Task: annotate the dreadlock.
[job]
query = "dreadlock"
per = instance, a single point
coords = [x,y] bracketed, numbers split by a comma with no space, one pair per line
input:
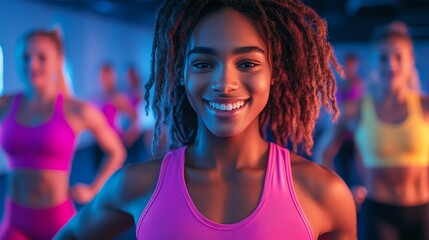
[300,58]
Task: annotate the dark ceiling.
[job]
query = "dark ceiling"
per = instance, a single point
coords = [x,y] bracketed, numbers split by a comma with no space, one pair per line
[349,20]
[354,20]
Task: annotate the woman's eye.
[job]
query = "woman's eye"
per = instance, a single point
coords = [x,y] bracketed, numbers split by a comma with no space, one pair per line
[398,57]
[42,58]
[247,65]
[202,65]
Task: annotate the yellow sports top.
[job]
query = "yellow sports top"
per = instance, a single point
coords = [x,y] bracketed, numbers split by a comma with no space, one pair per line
[393,145]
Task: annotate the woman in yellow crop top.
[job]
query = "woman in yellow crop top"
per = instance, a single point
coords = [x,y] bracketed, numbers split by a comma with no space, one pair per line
[391,130]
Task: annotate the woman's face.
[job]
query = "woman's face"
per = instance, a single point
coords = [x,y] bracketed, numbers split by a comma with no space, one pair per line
[108,78]
[227,73]
[396,63]
[133,78]
[41,63]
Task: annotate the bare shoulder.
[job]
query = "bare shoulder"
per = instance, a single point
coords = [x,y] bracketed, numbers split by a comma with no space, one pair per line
[82,115]
[120,96]
[76,105]
[122,101]
[138,179]
[5,104]
[86,113]
[325,199]
[131,187]
[117,206]
[6,99]
[424,99]
[316,180]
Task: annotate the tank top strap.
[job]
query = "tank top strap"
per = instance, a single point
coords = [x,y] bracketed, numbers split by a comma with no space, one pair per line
[368,110]
[16,101]
[59,105]
[169,175]
[414,106]
[175,160]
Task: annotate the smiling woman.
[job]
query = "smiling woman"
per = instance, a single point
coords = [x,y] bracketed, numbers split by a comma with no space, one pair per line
[220,76]
[227,65]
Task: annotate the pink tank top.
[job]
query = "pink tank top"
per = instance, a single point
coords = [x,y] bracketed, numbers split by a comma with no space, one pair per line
[171,214]
[110,112]
[49,145]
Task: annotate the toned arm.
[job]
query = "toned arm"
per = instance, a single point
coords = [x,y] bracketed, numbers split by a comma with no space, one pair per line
[118,205]
[332,137]
[340,210]
[132,132]
[107,140]
[325,199]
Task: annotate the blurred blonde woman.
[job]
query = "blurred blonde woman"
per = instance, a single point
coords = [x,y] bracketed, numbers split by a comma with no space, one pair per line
[39,127]
[391,131]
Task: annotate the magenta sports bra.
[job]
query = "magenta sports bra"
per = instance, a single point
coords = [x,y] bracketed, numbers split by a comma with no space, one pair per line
[110,112]
[171,214]
[49,145]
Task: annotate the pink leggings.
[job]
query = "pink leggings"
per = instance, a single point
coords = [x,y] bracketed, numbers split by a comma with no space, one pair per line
[23,223]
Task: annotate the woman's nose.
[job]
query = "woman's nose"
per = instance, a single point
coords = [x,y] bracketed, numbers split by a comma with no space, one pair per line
[226,81]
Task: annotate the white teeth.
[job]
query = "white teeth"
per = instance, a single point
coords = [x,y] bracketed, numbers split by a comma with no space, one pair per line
[227,107]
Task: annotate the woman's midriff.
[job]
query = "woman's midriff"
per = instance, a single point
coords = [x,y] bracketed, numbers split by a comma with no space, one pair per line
[405,186]
[38,188]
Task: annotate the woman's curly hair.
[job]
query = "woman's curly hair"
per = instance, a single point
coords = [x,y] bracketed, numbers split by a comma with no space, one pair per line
[300,53]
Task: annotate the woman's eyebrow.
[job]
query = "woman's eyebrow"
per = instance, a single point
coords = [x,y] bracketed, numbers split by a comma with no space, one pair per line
[203,50]
[236,51]
[247,49]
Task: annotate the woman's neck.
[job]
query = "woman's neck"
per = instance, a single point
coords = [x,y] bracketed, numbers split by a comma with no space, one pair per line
[41,97]
[247,149]
[394,96]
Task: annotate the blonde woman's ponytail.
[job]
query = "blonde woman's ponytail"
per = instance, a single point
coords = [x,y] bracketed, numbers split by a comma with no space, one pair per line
[63,81]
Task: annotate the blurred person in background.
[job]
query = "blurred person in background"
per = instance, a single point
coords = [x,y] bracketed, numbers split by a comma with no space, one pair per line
[350,89]
[118,110]
[140,149]
[38,132]
[390,126]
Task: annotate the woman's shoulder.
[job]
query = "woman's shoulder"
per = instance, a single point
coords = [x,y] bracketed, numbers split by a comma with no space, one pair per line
[139,178]
[8,98]
[424,99]
[322,184]
[133,181]
[5,103]
[324,197]
[121,100]
[75,102]
[122,198]
[305,169]
[80,107]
